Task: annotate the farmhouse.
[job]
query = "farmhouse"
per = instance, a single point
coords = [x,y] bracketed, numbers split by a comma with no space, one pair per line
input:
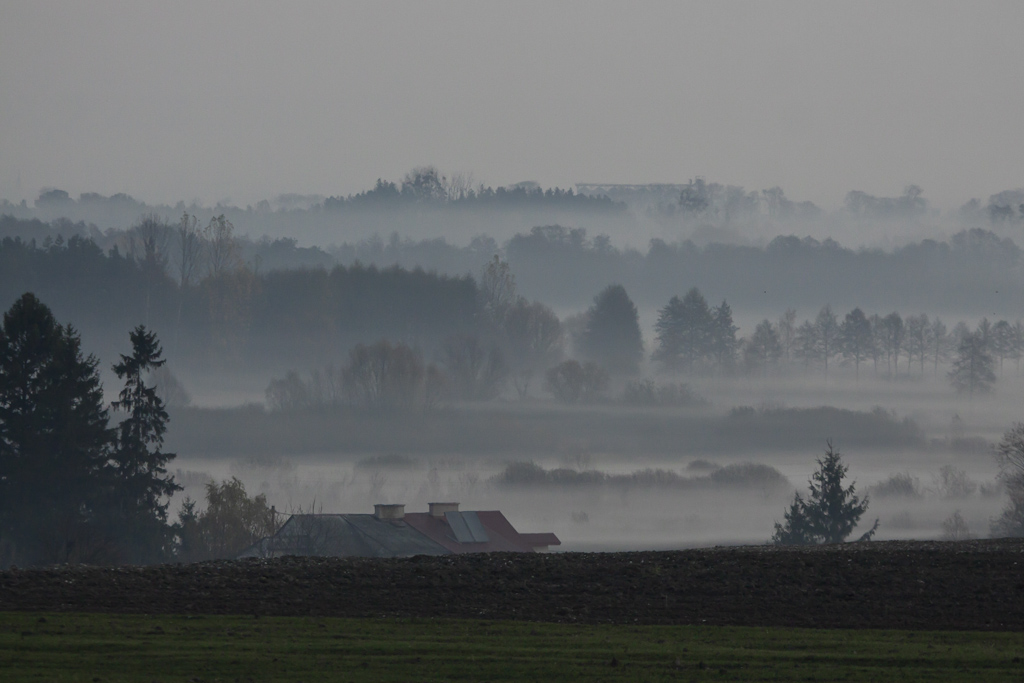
[391,532]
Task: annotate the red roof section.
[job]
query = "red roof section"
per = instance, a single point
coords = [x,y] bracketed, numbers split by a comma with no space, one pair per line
[502,536]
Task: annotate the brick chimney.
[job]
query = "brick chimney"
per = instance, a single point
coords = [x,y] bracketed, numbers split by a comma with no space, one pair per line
[438,509]
[381,511]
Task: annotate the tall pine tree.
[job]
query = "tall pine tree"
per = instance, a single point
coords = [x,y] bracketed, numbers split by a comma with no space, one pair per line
[143,485]
[54,441]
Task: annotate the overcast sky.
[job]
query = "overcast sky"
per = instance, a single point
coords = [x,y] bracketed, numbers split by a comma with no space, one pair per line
[242,100]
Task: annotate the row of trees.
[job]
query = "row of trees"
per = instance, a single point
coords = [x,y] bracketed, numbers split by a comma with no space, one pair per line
[693,337]
[920,341]
[428,185]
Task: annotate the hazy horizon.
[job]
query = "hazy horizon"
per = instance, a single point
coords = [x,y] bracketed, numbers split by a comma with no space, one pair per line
[239,102]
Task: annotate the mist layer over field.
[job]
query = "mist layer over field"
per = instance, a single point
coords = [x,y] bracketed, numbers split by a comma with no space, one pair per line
[605,477]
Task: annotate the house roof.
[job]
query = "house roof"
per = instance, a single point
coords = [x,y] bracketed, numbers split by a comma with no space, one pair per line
[417,533]
[501,536]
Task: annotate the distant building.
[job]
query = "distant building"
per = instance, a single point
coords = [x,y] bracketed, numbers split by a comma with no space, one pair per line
[391,532]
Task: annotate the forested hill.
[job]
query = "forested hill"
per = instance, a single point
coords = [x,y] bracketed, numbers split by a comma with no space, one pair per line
[975,273]
[234,314]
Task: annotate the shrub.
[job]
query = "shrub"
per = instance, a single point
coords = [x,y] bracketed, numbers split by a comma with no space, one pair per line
[954,483]
[570,381]
[954,528]
[742,475]
[231,522]
[648,393]
[750,475]
[899,485]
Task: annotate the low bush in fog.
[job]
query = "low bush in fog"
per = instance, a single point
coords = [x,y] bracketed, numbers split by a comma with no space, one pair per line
[862,428]
[899,485]
[648,393]
[952,482]
[736,476]
[571,381]
[748,475]
[954,528]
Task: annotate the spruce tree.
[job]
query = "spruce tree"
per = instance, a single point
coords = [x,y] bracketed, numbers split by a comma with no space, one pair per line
[686,331]
[612,337]
[830,512]
[54,441]
[139,505]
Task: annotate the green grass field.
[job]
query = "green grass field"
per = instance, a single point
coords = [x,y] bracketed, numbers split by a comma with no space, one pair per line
[99,647]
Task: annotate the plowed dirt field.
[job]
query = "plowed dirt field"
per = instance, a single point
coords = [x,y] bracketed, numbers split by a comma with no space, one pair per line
[972,585]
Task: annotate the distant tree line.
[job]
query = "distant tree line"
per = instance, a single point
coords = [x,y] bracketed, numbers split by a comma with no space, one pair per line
[696,338]
[973,268]
[564,266]
[707,202]
[191,284]
[426,185]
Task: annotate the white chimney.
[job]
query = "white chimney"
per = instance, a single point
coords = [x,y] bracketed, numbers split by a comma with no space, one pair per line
[381,511]
[438,509]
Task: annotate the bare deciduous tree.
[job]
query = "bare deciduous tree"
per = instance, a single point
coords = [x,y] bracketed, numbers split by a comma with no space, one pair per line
[189,250]
[570,381]
[476,371]
[534,337]
[383,376]
[223,247]
[498,290]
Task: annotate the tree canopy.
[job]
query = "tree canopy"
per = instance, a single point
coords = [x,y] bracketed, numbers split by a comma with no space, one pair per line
[612,335]
[54,438]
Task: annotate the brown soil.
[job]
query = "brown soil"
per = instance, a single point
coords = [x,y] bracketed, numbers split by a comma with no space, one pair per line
[977,585]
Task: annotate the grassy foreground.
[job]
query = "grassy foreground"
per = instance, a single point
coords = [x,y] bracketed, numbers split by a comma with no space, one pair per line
[101,647]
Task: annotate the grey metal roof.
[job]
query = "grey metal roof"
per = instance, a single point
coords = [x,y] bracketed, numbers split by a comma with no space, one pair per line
[394,538]
[347,536]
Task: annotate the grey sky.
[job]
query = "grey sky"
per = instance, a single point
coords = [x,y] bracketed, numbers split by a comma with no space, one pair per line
[243,100]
